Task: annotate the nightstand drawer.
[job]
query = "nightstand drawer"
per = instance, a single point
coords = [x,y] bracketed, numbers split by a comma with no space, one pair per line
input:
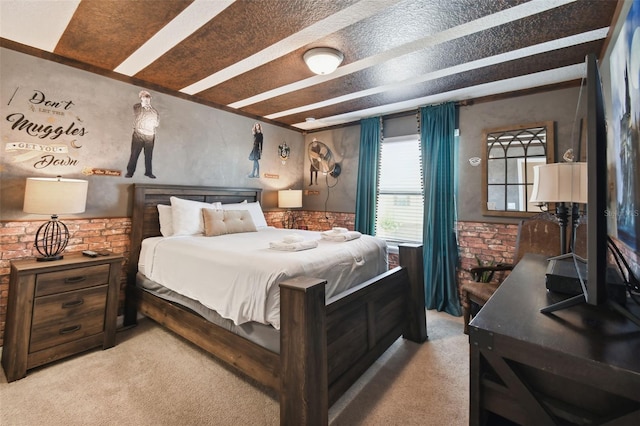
[61,318]
[71,279]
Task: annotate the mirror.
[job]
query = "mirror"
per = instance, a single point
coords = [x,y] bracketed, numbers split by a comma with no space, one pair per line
[509,155]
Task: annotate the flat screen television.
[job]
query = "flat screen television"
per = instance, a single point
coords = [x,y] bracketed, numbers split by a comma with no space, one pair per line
[594,285]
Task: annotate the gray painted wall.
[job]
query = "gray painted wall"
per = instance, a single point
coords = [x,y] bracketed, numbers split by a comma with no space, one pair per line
[199,145]
[195,144]
[558,106]
[334,194]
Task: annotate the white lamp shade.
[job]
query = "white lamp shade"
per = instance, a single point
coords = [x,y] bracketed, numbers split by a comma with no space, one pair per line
[53,196]
[560,182]
[290,199]
[323,60]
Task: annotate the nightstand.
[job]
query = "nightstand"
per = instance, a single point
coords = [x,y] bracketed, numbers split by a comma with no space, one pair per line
[59,308]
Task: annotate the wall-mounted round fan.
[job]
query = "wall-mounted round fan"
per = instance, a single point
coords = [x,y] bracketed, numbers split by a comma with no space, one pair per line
[322,160]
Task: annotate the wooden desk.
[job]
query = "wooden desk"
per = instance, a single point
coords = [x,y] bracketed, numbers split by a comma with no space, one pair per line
[574,366]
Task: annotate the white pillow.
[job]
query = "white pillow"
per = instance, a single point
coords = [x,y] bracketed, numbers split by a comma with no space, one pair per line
[254,209]
[166,220]
[187,215]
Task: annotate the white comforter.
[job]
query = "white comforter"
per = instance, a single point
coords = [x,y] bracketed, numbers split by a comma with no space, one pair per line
[237,275]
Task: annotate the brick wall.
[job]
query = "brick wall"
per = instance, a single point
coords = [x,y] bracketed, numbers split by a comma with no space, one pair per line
[495,242]
[313,220]
[488,241]
[16,242]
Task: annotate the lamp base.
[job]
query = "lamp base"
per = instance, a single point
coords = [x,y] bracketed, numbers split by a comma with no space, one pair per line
[51,239]
[49,258]
[289,220]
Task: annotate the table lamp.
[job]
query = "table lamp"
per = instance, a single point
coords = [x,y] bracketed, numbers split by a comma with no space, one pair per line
[53,196]
[289,199]
[561,183]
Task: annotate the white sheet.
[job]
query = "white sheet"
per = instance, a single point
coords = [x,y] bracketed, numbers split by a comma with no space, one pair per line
[238,274]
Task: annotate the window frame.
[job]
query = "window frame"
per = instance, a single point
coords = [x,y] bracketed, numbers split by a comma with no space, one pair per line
[393,241]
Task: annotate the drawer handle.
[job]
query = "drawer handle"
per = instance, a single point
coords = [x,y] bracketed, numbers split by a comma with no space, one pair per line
[72,329]
[71,304]
[73,280]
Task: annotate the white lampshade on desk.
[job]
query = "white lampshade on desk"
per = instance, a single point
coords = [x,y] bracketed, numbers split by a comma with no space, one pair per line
[54,196]
[560,183]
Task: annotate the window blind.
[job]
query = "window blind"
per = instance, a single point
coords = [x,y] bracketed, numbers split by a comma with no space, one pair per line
[399,211]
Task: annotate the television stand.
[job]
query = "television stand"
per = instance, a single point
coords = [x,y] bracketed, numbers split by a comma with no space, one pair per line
[579,366]
[623,311]
[580,299]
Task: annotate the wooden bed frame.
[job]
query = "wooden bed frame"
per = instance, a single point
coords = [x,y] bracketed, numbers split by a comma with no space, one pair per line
[324,347]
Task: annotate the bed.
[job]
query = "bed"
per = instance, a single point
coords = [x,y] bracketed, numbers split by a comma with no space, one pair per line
[325,343]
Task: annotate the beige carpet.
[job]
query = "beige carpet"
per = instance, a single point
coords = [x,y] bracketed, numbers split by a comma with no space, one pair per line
[153,377]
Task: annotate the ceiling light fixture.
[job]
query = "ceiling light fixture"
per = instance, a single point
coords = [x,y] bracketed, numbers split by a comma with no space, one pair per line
[323,60]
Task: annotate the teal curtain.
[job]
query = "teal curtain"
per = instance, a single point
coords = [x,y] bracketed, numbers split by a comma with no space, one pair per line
[370,136]
[439,153]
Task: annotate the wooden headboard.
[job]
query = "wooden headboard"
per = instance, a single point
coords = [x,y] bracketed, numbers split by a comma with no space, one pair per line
[145,223]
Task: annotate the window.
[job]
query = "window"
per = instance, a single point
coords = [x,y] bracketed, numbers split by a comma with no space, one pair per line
[400,204]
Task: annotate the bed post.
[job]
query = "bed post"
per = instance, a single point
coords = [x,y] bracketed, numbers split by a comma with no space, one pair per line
[304,392]
[137,235]
[411,259]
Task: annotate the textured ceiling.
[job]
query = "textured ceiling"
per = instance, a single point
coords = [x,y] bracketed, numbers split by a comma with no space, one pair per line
[246,55]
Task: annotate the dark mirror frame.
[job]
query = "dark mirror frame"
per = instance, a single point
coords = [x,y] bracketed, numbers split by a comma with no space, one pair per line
[486,163]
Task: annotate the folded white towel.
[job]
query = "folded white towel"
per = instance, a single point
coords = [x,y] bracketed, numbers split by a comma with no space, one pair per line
[342,236]
[302,245]
[293,238]
[335,231]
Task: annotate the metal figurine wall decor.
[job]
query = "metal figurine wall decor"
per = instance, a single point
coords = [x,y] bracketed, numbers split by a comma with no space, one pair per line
[256,150]
[146,120]
[283,152]
[321,160]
